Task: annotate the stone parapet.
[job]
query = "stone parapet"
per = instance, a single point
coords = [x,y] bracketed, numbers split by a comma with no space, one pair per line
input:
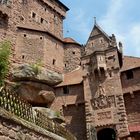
[15,128]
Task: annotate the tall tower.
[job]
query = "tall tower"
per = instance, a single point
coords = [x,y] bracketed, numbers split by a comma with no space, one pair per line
[105,110]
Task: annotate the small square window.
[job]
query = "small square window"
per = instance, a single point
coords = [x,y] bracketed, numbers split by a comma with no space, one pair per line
[33,15]
[129,74]
[65,90]
[54,61]
[73,52]
[23,56]
[41,20]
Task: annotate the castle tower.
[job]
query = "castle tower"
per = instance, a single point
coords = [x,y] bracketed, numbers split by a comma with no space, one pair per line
[105,109]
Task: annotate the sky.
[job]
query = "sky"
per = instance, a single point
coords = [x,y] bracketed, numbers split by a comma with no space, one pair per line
[119,17]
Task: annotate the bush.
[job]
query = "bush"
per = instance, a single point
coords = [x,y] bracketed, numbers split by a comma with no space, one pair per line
[36,67]
[4,60]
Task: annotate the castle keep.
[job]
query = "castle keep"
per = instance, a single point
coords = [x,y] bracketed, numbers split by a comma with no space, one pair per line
[95,87]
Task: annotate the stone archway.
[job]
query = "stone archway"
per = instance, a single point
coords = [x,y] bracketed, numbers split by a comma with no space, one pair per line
[106,134]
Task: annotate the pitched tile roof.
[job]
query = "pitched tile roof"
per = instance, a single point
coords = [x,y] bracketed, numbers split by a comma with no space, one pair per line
[70,40]
[130,62]
[72,78]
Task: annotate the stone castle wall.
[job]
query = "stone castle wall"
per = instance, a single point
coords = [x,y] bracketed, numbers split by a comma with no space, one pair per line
[72,57]
[130,85]
[14,128]
[74,96]
[132,107]
[35,30]
[72,106]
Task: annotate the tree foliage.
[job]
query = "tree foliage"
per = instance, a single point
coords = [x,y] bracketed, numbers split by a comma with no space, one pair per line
[4,60]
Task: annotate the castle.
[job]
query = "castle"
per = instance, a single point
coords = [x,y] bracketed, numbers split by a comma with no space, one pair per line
[96,88]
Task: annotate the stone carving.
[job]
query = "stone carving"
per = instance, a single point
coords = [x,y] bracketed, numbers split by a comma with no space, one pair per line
[104,115]
[100,91]
[103,102]
[92,132]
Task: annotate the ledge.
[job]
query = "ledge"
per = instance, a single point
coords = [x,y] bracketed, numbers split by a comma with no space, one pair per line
[16,120]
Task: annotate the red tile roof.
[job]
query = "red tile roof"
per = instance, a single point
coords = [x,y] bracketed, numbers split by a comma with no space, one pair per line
[70,40]
[130,62]
[72,78]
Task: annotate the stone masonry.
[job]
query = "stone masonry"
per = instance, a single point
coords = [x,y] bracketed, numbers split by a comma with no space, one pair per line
[100,88]
[14,128]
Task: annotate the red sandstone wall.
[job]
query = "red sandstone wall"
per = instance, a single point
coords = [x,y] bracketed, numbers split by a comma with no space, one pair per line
[39,47]
[130,85]
[75,119]
[73,108]
[75,96]
[132,104]
[36,45]
[72,57]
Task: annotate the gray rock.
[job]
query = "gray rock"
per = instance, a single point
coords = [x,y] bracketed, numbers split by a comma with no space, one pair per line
[27,72]
[22,71]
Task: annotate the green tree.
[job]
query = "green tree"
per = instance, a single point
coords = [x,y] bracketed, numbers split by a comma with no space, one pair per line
[4,60]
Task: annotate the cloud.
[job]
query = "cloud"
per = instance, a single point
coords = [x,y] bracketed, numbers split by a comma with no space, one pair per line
[115,21]
[120,17]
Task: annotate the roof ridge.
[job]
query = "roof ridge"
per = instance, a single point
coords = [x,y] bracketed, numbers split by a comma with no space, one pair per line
[132,56]
[96,25]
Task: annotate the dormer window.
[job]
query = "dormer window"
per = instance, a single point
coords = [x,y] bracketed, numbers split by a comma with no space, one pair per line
[101,40]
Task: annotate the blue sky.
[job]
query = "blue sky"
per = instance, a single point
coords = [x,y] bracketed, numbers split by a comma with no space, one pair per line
[119,17]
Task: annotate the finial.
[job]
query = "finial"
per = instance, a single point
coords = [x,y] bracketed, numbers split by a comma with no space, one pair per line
[94,20]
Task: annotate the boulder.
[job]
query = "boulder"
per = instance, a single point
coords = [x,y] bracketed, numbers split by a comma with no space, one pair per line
[48,96]
[35,93]
[24,72]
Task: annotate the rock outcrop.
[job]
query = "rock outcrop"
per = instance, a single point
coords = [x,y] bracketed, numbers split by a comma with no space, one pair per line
[35,93]
[39,74]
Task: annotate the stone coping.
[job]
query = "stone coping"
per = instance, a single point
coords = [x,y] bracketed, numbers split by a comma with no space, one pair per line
[14,119]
